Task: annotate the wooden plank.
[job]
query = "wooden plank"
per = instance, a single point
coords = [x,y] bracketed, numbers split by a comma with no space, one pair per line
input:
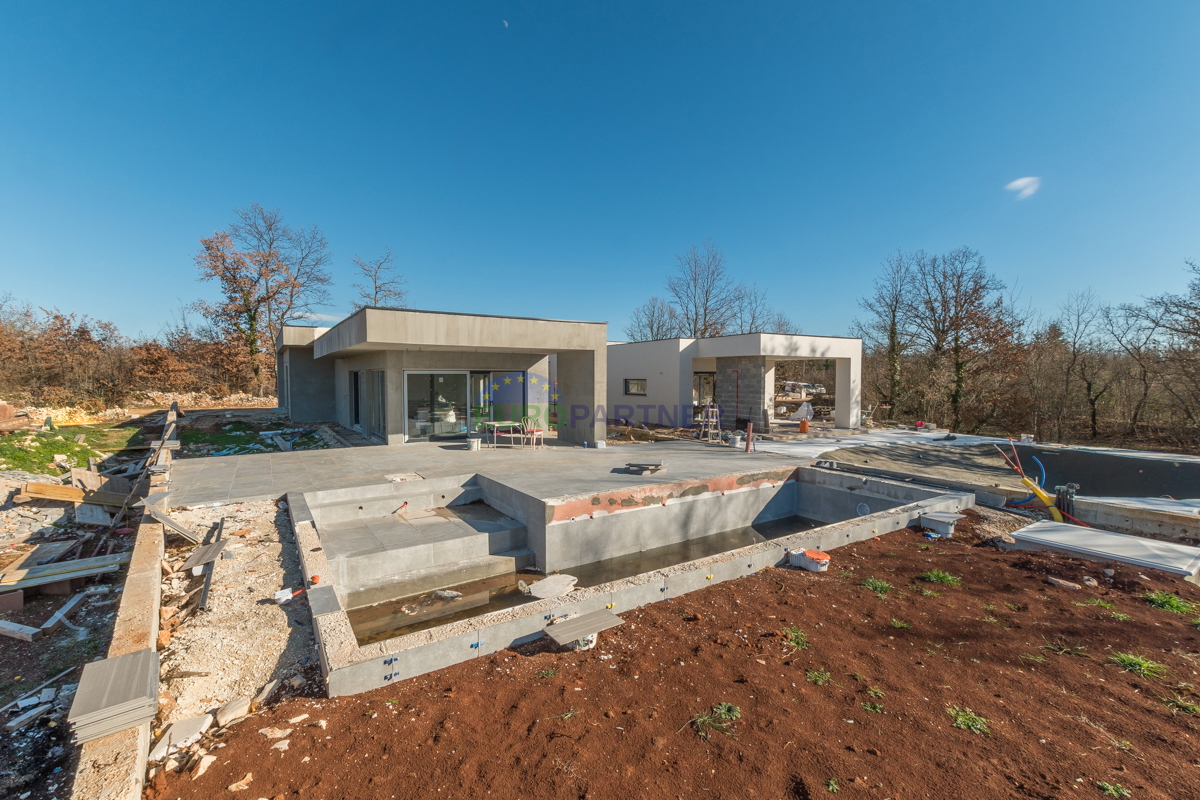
[94,482]
[281,444]
[23,632]
[584,625]
[62,571]
[89,514]
[71,494]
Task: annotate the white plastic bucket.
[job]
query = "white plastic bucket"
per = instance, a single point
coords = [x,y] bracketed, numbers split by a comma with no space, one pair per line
[473,443]
[736,441]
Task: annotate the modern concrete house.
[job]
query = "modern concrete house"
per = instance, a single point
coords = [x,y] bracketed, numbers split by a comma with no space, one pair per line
[402,376]
[663,382]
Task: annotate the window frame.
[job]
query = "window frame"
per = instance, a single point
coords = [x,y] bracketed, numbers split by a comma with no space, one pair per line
[645,387]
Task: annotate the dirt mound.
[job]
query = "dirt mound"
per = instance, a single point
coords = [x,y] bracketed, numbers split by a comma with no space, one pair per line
[872,691]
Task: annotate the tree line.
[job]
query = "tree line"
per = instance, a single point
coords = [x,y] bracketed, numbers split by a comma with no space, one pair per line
[269,274]
[946,341]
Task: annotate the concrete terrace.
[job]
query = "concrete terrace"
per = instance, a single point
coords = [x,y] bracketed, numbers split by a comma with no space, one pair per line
[561,471]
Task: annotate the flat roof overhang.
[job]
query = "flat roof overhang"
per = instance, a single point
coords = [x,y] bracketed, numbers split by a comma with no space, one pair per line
[394,329]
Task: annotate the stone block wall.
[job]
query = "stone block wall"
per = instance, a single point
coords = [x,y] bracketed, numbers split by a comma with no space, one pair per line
[744,395]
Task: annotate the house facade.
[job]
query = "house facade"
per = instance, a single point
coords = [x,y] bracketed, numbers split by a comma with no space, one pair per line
[401,376]
[665,382]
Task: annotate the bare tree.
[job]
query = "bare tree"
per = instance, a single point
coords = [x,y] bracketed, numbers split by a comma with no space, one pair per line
[1081,320]
[1138,339]
[756,315]
[292,261]
[384,287]
[888,330]
[703,293]
[959,315]
[656,319]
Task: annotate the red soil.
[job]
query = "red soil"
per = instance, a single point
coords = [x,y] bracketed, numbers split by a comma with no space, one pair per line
[614,722]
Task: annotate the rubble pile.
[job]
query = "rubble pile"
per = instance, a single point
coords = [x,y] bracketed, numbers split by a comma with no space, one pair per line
[239,644]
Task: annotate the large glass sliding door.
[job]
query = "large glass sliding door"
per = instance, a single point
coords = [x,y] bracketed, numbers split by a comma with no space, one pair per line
[436,405]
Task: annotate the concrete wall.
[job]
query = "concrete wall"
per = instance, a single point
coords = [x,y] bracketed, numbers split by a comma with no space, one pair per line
[668,382]
[310,391]
[582,383]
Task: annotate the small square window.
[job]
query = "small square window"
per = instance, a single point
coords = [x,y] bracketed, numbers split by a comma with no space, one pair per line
[636,386]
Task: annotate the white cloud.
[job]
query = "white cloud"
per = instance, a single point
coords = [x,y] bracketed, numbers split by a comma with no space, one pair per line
[1025,187]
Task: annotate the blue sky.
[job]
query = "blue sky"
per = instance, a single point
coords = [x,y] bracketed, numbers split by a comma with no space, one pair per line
[556,165]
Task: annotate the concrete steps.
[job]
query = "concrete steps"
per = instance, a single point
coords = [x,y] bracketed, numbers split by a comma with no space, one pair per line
[363,552]
[441,576]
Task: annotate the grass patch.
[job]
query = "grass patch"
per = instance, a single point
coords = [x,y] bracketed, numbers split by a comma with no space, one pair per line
[831,786]
[1095,601]
[874,708]
[1119,617]
[876,693]
[1169,602]
[1033,659]
[940,576]
[901,624]
[877,585]
[796,638]
[930,593]
[968,720]
[818,676]
[719,719]
[547,673]
[1061,648]
[38,456]
[1141,666]
[1179,704]
[1113,789]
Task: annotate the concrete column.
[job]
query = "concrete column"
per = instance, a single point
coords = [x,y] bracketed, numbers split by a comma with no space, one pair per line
[582,385]
[742,392]
[847,403]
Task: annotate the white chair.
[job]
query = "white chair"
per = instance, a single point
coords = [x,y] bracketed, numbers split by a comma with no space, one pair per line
[529,429]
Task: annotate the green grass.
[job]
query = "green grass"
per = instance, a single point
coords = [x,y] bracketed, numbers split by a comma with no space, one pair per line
[796,638]
[876,693]
[968,720]
[1179,704]
[1032,658]
[38,457]
[1119,617]
[818,676]
[874,708]
[547,673]
[901,624]
[1196,623]
[877,585]
[930,593]
[831,786]
[1141,666]
[1169,602]
[719,719]
[1113,789]
[939,576]
[1095,601]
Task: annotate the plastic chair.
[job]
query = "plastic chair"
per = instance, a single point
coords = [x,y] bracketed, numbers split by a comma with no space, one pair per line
[529,429]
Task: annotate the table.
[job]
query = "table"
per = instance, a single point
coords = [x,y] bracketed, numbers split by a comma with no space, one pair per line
[495,425]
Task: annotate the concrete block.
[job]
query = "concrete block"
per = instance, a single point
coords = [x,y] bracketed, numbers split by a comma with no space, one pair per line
[15,630]
[12,601]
